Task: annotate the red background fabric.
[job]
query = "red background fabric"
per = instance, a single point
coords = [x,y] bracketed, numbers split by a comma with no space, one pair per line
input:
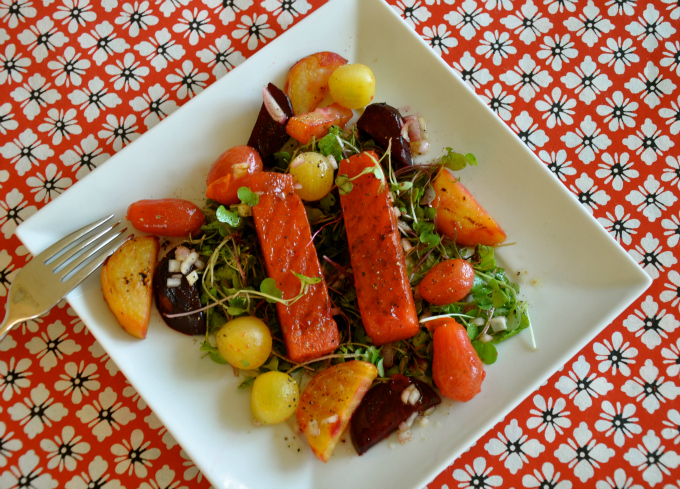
[593,88]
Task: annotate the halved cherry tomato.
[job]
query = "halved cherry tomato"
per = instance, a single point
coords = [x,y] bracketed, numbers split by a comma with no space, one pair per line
[166,217]
[456,368]
[316,124]
[236,164]
[447,282]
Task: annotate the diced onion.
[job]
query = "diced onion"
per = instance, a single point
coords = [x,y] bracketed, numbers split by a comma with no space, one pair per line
[173,282]
[332,162]
[240,170]
[274,109]
[173,266]
[189,262]
[181,253]
[421,147]
[192,278]
[428,196]
[406,245]
[414,397]
[485,338]
[404,437]
[498,324]
[408,392]
[199,265]
[479,321]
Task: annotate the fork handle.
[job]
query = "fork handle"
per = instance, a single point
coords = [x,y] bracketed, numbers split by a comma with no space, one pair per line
[19,302]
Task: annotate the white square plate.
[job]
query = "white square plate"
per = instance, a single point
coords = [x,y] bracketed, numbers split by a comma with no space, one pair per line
[575,276]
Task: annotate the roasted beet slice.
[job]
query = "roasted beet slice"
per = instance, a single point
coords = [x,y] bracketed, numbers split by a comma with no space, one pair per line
[175,300]
[382,410]
[268,135]
[382,122]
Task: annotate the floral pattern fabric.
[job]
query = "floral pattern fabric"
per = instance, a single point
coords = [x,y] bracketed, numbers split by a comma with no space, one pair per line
[593,88]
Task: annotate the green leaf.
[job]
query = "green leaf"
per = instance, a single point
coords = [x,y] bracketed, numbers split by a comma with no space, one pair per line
[345,188]
[486,351]
[472,331]
[268,286]
[430,238]
[248,197]
[247,382]
[272,365]
[381,368]
[228,217]
[327,202]
[282,160]
[329,144]
[457,161]
[235,311]
[307,280]
[213,353]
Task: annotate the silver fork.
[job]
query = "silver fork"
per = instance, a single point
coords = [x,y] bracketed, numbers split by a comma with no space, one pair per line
[52,274]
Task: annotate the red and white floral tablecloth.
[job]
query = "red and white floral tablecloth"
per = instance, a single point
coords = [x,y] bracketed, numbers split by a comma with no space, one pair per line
[593,88]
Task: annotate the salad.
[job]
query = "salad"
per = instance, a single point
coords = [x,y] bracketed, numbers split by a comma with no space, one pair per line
[340,280]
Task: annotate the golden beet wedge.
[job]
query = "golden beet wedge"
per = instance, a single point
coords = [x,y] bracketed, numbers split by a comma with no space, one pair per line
[459,215]
[328,402]
[126,281]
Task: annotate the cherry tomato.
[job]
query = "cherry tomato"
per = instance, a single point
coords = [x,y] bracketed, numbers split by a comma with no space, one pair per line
[456,369]
[166,217]
[236,163]
[447,282]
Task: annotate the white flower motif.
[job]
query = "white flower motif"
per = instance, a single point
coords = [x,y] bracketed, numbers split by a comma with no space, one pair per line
[588,140]
[51,345]
[557,51]
[14,376]
[616,170]
[651,28]
[229,9]
[136,17]
[165,477]
[618,112]
[104,414]
[620,225]
[7,444]
[60,124]
[649,142]
[286,11]
[588,81]
[222,56]
[14,211]
[651,84]
[615,355]
[37,411]
[651,199]
[127,74]
[26,151]
[472,72]
[652,259]
[581,385]
[47,187]
[155,106]
[588,194]
[94,98]
[673,229]
[439,38]
[253,30]
[34,95]
[156,424]
[27,470]
[672,295]
[7,121]
[618,53]
[120,132]
[42,38]
[620,7]
[545,479]
[160,49]
[98,351]
[194,25]
[68,68]
[671,57]
[15,11]
[527,77]
[497,45]
[101,42]
[514,447]
[477,476]
[583,453]
[499,101]
[12,65]
[590,25]
[75,13]
[555,6]
[78,380]
[618,421]
[675,10]
[528,23]
[673,423]
[134,455]
[86,157]
[558,164]
[621,480]
[650,388]
[468,19]
[652,459]
[528,132]
[557,108]
[549,417]
[95,476]
[188,81]
[673,116]
[64,451]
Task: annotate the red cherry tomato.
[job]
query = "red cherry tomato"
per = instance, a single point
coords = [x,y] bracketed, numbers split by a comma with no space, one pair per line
[447,282]
[236,163]
[166,217]
[456,367]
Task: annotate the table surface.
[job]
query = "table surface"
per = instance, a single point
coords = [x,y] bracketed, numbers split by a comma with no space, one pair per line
[593,88]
